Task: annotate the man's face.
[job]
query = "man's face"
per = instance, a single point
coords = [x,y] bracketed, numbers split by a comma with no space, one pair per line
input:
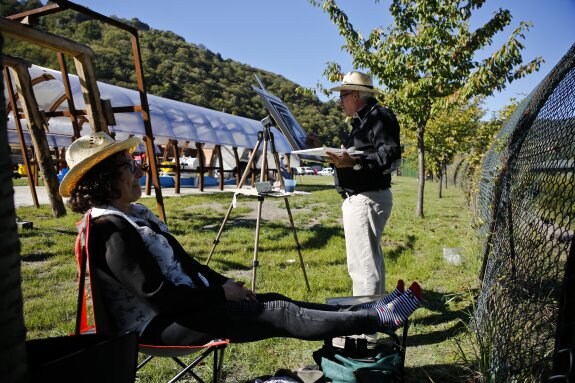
[348,101]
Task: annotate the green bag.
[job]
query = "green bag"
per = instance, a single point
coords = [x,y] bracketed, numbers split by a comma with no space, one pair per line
[382,364]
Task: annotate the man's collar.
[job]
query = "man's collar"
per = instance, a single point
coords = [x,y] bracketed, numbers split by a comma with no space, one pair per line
[365,109]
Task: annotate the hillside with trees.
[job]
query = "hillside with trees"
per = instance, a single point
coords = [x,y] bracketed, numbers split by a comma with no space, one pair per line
[176,69]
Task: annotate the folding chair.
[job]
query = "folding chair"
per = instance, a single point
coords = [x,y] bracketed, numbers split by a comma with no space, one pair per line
[99,323]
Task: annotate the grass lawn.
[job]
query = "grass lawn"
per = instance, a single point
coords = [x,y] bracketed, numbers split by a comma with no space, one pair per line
[413,251]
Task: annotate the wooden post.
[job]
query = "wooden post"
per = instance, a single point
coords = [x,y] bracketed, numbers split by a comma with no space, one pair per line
[253,166]
[21,139]
[36,128]
[56,160]
[221,167]
[149,173]
[178,170]
[238,167]
[68,93]
[94,111]
[202,162]
[34,163]
[287,164]
[166,149]
[147,123]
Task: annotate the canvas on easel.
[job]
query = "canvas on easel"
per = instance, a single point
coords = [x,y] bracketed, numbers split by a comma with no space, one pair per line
[284,119]
[288,125]
[279,117]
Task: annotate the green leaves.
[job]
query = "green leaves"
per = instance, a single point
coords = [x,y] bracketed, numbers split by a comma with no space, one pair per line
[429,50]
[427,61]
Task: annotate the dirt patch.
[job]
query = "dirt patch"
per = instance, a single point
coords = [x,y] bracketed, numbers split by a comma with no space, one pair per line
[271,211]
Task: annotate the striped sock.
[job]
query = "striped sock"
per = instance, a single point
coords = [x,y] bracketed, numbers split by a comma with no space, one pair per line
[399,289]
[395,313]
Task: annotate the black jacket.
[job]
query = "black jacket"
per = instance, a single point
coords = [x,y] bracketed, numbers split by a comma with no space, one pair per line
[376,133]
[118,252]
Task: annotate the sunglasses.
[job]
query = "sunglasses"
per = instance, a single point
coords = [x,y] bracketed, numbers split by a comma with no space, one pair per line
[131,164]
[342,97]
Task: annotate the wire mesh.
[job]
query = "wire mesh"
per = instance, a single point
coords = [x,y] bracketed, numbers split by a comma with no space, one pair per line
[526,204]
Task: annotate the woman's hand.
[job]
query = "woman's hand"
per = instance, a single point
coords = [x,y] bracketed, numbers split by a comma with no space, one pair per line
[235,291]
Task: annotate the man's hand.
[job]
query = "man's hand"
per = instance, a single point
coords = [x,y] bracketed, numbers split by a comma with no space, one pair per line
[343,161]
[235,291]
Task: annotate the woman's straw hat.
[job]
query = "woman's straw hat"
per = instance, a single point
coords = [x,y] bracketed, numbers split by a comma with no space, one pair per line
[356,81]
[86,152]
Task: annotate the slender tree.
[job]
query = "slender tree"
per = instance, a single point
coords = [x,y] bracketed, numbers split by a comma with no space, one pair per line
[426,59]
[450,132]
[12,333]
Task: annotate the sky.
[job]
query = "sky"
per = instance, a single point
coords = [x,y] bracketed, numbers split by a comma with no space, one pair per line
[295,39]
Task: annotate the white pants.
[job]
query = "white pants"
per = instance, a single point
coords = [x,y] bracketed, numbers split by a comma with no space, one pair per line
[364,217]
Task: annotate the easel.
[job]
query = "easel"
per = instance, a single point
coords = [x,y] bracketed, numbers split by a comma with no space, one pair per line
[266,136]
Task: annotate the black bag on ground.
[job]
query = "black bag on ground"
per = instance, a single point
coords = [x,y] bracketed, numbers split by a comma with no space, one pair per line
[93,358]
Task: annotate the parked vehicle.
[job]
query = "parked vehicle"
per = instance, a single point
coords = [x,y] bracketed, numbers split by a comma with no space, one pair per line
[316,169]
[305,170]
[325,172]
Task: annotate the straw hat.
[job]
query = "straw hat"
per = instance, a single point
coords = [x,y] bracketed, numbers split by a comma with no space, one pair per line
[86,152]
[356,81]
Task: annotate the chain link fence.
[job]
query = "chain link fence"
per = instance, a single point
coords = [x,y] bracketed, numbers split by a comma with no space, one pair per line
[525,206]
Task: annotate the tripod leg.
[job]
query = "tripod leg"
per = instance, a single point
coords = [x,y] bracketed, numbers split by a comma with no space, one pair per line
[240,184]
[217,239]
[297,245]
[255,262]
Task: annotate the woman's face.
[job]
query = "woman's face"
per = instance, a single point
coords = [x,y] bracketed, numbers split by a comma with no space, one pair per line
[128,182]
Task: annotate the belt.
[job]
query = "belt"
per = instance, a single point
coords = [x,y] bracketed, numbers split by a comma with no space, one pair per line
[345,194]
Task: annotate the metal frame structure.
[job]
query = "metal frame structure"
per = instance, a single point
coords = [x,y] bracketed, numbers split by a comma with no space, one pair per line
[83,58]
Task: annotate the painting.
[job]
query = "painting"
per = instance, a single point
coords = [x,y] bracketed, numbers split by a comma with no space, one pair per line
[284,119]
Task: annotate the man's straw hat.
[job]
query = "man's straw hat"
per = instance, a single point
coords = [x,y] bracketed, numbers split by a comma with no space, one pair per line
[86,152]
[356,81]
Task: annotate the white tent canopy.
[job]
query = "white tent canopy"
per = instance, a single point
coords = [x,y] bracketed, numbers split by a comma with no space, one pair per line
[169,119]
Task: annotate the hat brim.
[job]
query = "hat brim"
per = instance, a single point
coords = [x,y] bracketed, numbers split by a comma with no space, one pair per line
[74,175]
[359,88]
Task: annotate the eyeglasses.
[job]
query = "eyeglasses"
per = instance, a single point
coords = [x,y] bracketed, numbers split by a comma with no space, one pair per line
[131,164]
[342,97]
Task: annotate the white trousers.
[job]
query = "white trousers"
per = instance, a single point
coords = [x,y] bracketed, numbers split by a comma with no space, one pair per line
[364,217]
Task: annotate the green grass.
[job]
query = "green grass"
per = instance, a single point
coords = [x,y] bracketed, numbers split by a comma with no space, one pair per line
[413,251]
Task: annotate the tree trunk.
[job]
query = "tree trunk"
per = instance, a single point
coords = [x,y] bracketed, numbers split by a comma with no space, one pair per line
[457,170]
[440,186]
[421,167]
[12,330]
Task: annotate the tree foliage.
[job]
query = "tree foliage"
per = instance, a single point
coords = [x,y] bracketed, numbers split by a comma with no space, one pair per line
[176,69]
[451,131]
[426,59]
[483,139]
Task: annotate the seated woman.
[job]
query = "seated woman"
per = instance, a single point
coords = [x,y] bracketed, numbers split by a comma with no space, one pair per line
[152,286]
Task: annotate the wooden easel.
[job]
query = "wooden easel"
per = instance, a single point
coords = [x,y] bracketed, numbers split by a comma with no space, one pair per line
[265,136]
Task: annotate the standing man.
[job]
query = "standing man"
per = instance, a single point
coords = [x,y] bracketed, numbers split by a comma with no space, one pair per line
[364,180]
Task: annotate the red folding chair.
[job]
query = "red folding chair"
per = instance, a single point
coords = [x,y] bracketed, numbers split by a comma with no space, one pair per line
[98,322]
